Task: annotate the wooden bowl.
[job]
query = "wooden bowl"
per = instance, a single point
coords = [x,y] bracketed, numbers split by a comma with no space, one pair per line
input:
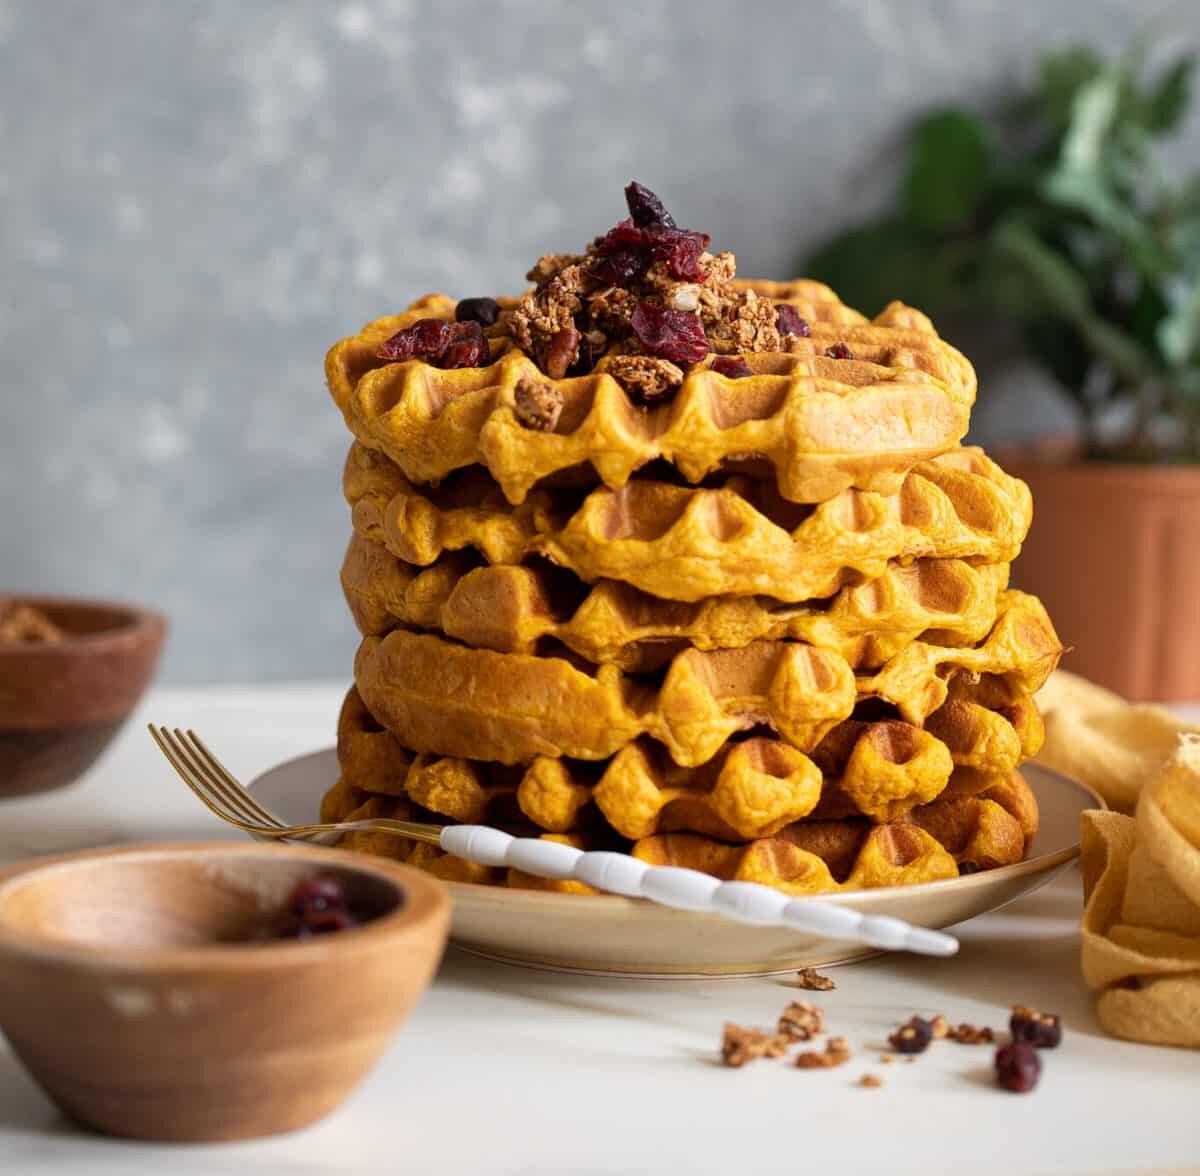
[129,991]
[61,704]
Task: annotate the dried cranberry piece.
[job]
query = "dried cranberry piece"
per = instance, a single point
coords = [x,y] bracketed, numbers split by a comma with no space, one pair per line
[645,208]
[734,367]
[621,266]
[425,339]
[484,311]
[467,347]
[680,249]
[670,334]
[1041,1030]
[1018,1067]
[789,322]
[317,893]
[839,351]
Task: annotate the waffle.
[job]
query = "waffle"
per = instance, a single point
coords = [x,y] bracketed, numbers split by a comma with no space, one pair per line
[446,699]
[821,424]
[938,841]
[516,609]
[690,544]
[751,788]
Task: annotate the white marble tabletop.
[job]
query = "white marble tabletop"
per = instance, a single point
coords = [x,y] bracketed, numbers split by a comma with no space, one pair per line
[503,1070]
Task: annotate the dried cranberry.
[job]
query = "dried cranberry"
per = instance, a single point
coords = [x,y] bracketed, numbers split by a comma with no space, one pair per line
[467,347]
[484,311]
[322,922]
[645,208]
[670,334]
[789,322]
[679,248]
[621,266]
[1041,1030]
[733,367]
[913,1037]
[839,351]
[425,339]
[317,893]
[1018,1067]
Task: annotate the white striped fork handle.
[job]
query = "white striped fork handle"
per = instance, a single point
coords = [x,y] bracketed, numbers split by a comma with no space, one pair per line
[690,890]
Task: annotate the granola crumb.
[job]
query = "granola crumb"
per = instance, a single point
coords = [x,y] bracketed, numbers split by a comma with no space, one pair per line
[22,624]
[870,1080]
[646,378]
[811,979]
[887,1059]
[537,404]
[801,1021]
[549,265]
[740,1045]
[835,1053]
[966,1034]
[939,1027]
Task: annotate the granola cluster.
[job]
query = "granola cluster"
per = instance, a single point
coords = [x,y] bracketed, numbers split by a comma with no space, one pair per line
[22,624]
[650,299]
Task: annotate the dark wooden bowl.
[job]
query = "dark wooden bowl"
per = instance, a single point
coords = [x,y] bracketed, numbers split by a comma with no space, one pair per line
[61,704]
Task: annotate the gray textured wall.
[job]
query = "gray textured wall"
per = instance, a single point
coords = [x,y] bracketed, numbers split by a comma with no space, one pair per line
[198,198]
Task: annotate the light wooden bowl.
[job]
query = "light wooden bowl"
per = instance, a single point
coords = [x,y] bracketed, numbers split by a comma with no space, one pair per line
[125,993]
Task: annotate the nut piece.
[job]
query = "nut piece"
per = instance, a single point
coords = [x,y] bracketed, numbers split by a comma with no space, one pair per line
[800,1021]
[538,405]
[1043,1030]
[646,378]
[740,1045]
[870,1080]
[23,624]
[939,1027]
[913,1037]
[966,1034]
[1018,1067]
[835,1053]
[811,979]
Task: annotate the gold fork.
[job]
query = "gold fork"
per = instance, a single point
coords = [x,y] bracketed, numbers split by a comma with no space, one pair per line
[619,873]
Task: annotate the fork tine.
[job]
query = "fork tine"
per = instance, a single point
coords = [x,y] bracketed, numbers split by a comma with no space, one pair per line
[234,799]
[232,783]
[170,750]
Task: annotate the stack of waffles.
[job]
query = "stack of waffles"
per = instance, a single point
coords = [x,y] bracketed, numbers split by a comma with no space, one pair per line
[657,560]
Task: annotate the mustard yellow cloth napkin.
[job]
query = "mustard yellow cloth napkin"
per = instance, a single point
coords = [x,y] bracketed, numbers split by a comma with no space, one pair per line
[1141,863]
[1095,736]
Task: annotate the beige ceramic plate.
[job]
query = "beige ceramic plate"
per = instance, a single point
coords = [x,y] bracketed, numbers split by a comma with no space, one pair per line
[629,937]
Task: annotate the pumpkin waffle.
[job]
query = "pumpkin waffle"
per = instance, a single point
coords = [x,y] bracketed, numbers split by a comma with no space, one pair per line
[751,788]
[516,609]
[441,698]
[687,544]
[822,424]
[937,842]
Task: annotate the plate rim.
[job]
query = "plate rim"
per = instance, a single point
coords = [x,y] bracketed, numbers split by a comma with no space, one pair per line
[503,896]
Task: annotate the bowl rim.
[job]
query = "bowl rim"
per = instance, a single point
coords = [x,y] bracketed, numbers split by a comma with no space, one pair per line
[140,624]
[426,899]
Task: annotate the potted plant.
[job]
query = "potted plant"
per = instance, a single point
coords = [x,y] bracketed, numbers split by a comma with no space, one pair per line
[1058,223]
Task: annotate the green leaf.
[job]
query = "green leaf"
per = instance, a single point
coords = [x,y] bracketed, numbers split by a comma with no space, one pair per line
[1062,76]
[1062,350]
[1093,112]
[951,154]
[1169,100]
[1060,287]
[892,258]
[1179,332]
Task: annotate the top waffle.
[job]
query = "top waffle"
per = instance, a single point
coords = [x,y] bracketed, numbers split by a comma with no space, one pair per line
[619,357]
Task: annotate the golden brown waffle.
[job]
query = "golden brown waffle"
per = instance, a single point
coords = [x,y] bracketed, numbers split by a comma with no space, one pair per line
[515,609]
[441,698]
[688,544]
[751,788]
[822,424]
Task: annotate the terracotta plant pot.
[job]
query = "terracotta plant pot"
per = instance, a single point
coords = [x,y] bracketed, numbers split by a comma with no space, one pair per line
[1114,553]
